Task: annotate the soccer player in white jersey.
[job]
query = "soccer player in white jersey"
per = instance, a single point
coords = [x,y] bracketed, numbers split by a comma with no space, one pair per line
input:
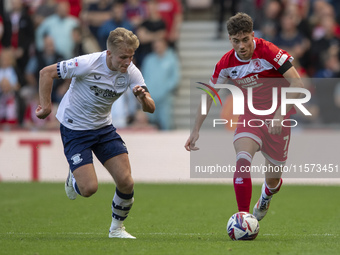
[256,63]
[98,80]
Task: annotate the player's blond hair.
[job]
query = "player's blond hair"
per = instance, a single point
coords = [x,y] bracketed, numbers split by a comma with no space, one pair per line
[240,23]
[121,38]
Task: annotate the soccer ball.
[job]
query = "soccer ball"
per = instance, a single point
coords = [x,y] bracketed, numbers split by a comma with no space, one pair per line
[243,226]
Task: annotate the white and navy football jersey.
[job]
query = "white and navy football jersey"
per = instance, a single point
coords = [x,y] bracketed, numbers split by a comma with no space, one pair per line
[93,89]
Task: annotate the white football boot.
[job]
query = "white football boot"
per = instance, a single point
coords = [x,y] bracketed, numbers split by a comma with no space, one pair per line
[120,233]
[70,192]
[261,207]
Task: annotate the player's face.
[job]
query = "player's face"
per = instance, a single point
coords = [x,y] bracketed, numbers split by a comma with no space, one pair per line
[243,45]
[120,59]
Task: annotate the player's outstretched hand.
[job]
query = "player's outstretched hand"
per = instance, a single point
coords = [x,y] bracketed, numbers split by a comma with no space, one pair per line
[42,113]
[190,143]
[138,91]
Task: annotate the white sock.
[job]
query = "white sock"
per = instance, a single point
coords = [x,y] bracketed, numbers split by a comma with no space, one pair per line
[121,205]
[116,224]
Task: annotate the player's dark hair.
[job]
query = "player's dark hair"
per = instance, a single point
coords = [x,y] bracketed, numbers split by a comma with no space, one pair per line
[240,23]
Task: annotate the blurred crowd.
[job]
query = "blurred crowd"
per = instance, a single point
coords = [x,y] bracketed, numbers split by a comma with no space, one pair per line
[37,33]
[310,31]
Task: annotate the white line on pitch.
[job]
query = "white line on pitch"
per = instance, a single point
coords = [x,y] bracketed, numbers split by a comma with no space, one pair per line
[157,233]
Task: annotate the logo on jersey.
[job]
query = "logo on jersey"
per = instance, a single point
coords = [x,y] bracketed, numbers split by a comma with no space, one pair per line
[97,77]
[233,73]
[120,83]
[64,67]
[250,81]
[76,159]
[107,93]
[280,58]
[70,64]
[257,65]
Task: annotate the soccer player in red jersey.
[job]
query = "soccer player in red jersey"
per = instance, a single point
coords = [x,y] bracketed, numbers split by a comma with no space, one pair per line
[260,65]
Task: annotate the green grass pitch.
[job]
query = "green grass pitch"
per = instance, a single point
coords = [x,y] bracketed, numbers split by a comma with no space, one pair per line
[38,218]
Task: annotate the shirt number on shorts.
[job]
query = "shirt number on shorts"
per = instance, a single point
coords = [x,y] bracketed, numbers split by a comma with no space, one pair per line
[286,138]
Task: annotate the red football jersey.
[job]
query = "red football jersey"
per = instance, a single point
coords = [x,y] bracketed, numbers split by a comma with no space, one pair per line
[259,73]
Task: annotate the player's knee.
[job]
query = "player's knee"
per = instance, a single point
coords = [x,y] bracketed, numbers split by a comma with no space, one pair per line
[126,185]
[89,190]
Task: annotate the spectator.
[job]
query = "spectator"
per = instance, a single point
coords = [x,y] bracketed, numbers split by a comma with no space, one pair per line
[135,12]
[322,45]
[271,21]
[221,15]
[39,61]
[77,35]
[96,14]
[22,35]
[7,69]
[326,87]
[255,9]
[59,26]
[124,110]
[171,13]
[75,7]
[323,10]
[8,105]
[289,38]
[152,29]
[7,30]
[118,19]
[31,121]
[45,9]
[42,58]
[161,73]
[2,29]
[330,63]
[300,11]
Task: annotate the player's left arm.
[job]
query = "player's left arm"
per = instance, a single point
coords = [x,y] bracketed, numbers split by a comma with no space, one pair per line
[291,75]
[144,98]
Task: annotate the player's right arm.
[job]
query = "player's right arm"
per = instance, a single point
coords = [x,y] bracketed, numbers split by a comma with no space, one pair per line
[65,69]
[190,144]
[47,74]
[218,77]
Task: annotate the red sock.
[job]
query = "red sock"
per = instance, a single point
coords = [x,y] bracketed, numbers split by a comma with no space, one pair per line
[242,182]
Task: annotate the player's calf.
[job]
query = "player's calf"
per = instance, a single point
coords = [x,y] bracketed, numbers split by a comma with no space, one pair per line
[242,181]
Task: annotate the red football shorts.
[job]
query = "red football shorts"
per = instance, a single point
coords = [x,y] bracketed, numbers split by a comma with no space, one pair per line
[273,147]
